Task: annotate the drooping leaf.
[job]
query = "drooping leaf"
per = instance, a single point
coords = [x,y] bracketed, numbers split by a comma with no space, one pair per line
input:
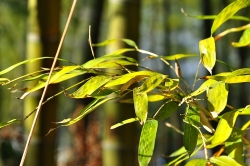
[190,132]
[205,123]
[228,12]
[234,145]
[197,162]
[124,122]
[208,53]
[244,39]
[90,87]
[152,82]
[217,98]
[147,142]
[140,104]
[166,110]
[225,161]
[126,77]
[3,124]
[224,128]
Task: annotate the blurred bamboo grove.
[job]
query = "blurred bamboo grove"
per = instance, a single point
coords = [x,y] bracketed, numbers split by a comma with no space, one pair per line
[32,29]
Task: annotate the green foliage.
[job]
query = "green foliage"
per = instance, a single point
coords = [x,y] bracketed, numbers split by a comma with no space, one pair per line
[150,86]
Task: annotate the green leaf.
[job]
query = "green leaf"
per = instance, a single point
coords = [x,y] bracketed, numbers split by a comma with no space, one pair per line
[208,53]
[190,132]
[152,82]
[244,39]
[3,80]
[147,142]
[126,77]
[228,12]
[171,84]
[90,87]
[130,43]
[3,124]
[136,79]
[86,110]
[217,98]
[224,128]
[140,104]
[225,161]
[175,56]
[107,42]
[124,122]
[197,162]
[234,145]
[55,78]
[24,62]
[166,110]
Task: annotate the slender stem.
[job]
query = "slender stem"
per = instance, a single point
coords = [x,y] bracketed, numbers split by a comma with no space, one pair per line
[47,83]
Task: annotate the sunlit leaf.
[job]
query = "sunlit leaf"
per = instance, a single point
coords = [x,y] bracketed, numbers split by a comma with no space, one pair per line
[152,82]
[130,42]
[171,84]
[136,79]
[60,75]
[3,80]
[228,12]
[124,122]
[225,161]
[120,51]
[97,62]
[140,104]
[225,127]
[197,162]
[244,111]
[126,77]
[157,97]
[166,110]
[24,62]
[3,124]
[147,142]
[217,98]
[234,145]
[86,110]
[244,39]
[208,53]
[175,56]
[200,90]
[190,132]
[115,63]
[90,86]
[107,42]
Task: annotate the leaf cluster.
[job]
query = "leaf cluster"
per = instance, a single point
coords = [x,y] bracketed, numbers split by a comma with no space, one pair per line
[147,86]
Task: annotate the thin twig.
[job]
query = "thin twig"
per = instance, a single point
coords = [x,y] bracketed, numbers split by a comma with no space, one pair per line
[47,83]
[90,42]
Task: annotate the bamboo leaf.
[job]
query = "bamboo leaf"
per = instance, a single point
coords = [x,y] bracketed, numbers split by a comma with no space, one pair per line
[190,132]
[208,53]
[224,128]
[175,56]
[228,12]
[136,79]
[90,87]
[244,39]
[225,161]
[147,142]
[140,105]
[3,124]
[171,84]
[126,77]
[86,110]
[152,82]
[54,79]
[217,98]
[24,62]
[197,162]
[124,122]
[166,110]
[234,145]
[154,98]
